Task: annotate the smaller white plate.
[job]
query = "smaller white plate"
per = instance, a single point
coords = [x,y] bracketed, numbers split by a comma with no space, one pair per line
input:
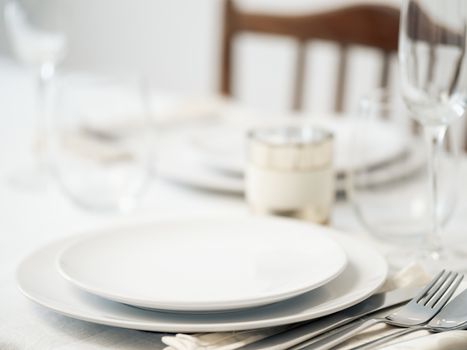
[204,265]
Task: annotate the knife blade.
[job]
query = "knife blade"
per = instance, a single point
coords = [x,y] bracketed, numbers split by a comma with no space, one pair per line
[305,331]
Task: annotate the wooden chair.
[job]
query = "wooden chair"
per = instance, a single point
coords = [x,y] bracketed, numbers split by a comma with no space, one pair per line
[374,26]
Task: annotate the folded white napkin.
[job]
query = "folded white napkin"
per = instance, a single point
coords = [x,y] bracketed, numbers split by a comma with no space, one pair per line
[174,110]
[454,340]
[413,275]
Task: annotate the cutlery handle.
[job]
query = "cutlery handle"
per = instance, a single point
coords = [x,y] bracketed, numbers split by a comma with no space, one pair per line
[386,338]
[331,324]
[327,341]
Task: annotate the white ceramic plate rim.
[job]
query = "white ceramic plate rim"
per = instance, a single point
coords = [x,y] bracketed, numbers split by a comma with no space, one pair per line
[175,169]
[128,317]
[316,232]
[198,177]
[211,180]
[198,143]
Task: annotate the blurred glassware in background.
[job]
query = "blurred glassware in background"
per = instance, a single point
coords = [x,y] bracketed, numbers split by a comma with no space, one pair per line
[390,198]
[290,172]
[39,43]
[101,140]
[432,60]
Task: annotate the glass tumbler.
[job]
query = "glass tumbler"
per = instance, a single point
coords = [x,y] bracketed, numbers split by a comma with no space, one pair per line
[101,141]
[388,188]
[290,173]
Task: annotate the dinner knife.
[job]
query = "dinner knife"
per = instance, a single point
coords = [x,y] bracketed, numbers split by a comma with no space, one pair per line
[305,331]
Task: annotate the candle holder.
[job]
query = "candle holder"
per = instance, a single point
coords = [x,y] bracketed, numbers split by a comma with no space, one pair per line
[290,173]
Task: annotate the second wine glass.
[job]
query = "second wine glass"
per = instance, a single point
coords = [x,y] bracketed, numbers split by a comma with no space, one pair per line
[36,33]
[101,140]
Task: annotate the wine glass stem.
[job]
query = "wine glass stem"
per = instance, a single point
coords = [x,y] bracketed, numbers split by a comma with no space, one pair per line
[434,136]
[45,73]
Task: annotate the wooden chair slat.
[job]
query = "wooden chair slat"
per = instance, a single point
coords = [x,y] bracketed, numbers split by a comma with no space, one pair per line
[300,73]
[341,79]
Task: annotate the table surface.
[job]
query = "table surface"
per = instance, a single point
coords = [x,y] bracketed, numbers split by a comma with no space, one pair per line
[30,220]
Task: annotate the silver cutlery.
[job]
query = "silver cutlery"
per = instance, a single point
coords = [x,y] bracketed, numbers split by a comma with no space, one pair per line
[422,308]
[305,331]
[452,316]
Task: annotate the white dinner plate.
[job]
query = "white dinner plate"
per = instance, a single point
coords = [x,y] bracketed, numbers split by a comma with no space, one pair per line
[40,281]
[222,147]
[204,265]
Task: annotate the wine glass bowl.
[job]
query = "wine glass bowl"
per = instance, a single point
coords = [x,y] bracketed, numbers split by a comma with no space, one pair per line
[431,56]
[35,44]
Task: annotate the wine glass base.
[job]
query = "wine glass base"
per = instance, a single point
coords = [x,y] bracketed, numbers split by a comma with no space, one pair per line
[29,179]
[399,259]
[436,261]
[431,262]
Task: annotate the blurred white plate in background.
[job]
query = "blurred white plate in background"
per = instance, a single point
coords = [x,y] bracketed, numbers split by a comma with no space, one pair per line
[187,171]
[212,157]
[224,148]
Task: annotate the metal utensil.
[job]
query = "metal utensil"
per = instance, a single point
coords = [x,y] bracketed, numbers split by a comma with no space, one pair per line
[419,310]
[310,329]
[452,316]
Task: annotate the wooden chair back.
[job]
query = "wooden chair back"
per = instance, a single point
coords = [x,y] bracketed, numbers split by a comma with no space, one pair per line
[374,26]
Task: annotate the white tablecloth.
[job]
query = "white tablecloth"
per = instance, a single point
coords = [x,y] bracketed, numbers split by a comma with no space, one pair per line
[30,220]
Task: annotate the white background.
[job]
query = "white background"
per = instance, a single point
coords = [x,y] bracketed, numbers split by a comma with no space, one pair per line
[176,43]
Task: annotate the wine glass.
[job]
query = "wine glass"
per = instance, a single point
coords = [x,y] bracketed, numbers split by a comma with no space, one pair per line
[101,140]
[35,33]
[389,195]
[433,77]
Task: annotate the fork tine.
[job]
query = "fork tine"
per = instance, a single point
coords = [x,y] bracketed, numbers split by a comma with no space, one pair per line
[444,298]
[447,278]
[424,291]
[441,291]
[434,290]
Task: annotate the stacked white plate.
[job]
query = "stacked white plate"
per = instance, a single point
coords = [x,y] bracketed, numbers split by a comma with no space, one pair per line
[213,157]
[203,275]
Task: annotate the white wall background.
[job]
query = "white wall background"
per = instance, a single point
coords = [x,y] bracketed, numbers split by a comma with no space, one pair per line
[176,43]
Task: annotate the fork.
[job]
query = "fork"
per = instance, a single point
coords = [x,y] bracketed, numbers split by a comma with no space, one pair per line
[451,317]
[422,308]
